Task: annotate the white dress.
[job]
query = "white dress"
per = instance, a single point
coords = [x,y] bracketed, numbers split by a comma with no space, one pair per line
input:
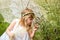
[19,31]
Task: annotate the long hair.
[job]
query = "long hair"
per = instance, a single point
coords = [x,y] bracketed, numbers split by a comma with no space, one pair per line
[22,20]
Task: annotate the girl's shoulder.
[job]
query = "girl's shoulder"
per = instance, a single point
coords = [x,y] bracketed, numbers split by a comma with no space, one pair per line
[15,20]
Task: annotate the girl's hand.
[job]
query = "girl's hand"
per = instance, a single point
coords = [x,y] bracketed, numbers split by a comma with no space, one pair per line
[35,27]
[12,35]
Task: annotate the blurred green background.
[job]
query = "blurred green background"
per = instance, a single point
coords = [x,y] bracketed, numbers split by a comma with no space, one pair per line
[49,28]
[3,25]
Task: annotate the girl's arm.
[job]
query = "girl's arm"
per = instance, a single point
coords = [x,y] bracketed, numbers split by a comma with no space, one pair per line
[32,31]
[8,31]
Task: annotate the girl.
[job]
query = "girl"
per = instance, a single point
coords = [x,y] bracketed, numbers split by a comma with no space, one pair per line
[20,29]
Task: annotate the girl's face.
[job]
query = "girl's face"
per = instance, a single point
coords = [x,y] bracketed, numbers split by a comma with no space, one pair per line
[29,19]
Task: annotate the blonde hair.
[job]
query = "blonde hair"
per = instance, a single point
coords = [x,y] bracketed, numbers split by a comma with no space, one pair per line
[22,20]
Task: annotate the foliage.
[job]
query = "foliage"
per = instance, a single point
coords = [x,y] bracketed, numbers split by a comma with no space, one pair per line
[49,27]
[3,25]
